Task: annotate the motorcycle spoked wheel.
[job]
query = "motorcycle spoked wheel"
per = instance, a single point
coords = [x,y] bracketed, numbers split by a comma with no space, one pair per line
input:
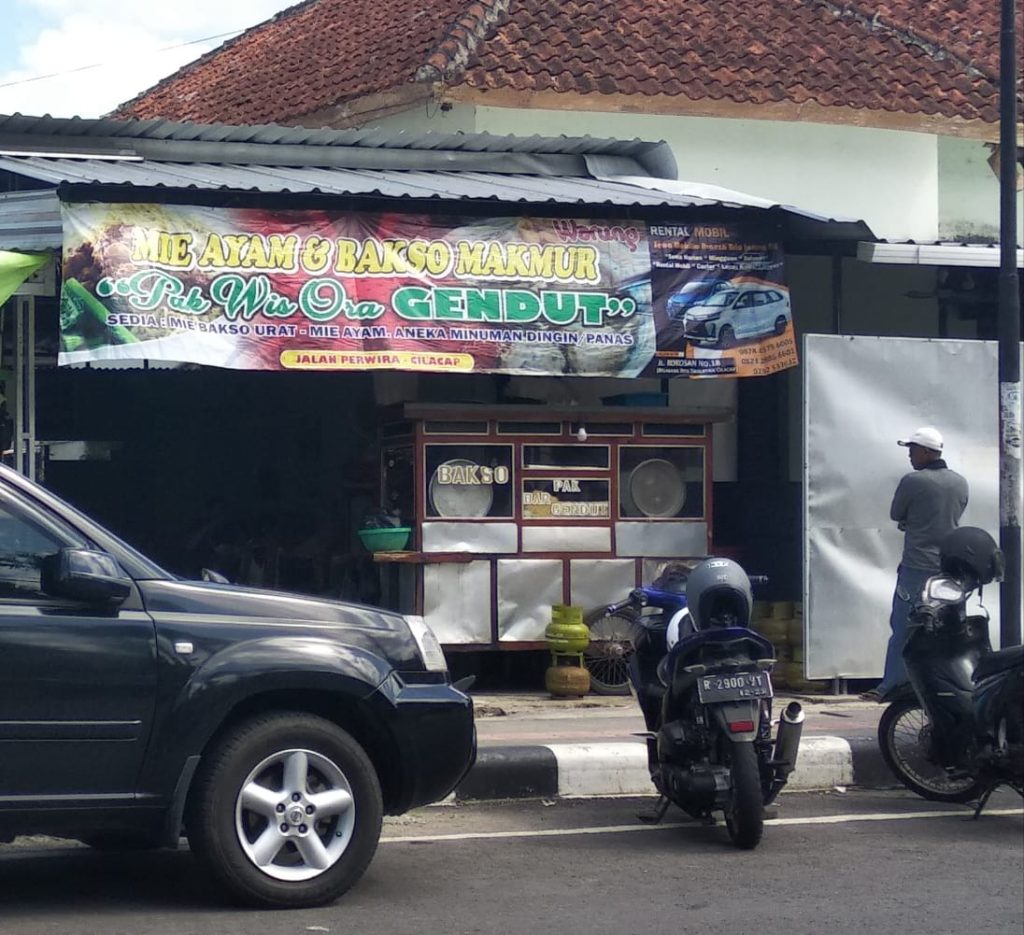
[904,738]
[744,812]
[607,655]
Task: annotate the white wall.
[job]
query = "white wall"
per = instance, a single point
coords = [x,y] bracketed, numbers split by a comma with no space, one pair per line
[969,193]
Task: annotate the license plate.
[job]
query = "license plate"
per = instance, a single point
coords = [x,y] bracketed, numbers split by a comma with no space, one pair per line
[736,686]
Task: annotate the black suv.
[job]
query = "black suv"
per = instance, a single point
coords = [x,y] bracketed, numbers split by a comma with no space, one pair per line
[275,729]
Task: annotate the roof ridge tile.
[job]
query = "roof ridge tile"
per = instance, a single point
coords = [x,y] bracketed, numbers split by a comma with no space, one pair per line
[456,48]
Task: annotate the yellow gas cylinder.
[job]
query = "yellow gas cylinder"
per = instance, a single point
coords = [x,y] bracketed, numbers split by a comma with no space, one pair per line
[567,636]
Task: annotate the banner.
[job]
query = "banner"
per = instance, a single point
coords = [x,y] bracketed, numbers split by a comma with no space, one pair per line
[312,290]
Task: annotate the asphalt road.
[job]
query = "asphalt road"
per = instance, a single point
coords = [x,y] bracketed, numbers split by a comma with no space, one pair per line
[830,864]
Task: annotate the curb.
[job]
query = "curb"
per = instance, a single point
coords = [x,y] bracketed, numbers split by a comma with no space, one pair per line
[603,769]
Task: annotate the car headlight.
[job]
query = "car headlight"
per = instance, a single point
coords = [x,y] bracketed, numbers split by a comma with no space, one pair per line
[429,647]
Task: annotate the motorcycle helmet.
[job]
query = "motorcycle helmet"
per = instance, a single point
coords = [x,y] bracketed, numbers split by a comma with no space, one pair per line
[971,555]
[718,594]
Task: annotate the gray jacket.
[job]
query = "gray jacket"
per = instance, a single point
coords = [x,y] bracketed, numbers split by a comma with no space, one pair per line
[927,505]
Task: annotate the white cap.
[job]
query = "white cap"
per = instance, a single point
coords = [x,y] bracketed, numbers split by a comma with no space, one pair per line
[927,437]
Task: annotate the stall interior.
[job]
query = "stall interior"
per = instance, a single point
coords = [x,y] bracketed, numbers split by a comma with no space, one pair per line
[262,477]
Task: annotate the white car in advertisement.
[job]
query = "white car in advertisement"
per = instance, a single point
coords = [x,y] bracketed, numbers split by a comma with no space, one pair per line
[738,313]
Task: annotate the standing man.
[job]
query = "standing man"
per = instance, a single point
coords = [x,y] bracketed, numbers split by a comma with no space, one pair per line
[927,505]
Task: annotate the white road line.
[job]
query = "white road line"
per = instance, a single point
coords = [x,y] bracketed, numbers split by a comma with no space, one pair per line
[665,826]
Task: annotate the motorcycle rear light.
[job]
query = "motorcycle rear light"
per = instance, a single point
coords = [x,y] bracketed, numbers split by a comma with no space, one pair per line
[739,727]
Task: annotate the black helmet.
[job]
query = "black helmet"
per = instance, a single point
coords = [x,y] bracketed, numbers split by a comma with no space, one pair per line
[718,594]
[971,554]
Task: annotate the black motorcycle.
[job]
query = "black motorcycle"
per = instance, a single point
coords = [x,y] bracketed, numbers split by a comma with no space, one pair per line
[956,732]
[702,678]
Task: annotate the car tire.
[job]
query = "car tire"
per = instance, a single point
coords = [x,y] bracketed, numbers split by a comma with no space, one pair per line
[780,324]
[252,817]
[726,336]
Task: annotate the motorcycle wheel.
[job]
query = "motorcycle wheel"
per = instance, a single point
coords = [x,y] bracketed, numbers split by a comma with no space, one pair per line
[904,738]
[607,655]
[744,815]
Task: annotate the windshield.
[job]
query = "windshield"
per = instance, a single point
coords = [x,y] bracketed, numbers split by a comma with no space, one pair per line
[719,299]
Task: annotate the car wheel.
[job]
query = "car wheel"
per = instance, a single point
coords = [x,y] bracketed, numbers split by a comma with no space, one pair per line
[726,337]
[286,811]
[780,324]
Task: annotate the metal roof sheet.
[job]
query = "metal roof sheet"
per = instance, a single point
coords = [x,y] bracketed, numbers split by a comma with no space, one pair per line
[337,181]
[154,155]
[79,128]
[448,186]
[30,221]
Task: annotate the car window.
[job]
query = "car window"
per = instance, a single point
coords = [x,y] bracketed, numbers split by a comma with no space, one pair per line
[719,300]
[760,298]
[25,540]
[744,301]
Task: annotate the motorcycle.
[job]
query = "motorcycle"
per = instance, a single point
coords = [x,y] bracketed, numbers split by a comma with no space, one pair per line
[956,732]
[702,679]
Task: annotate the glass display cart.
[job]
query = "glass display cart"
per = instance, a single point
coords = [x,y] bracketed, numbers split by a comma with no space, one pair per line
[517,508]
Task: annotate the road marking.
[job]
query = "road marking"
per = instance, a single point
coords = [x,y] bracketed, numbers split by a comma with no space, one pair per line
[666,826]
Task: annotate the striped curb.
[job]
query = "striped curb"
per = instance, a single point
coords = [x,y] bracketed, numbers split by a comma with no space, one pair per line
[599,769]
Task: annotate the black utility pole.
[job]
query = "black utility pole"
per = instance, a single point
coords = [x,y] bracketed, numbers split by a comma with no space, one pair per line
[1011,447]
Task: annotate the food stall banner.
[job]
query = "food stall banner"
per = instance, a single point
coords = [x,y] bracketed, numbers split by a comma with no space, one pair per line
[254,289]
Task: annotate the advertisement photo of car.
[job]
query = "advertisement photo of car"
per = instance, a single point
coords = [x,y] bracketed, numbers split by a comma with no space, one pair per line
[737,313]
[691,293]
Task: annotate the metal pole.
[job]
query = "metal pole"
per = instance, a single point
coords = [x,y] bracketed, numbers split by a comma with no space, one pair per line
[1010,444]
[25,385]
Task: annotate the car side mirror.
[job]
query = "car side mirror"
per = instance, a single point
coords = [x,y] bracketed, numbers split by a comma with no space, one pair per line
[85,575]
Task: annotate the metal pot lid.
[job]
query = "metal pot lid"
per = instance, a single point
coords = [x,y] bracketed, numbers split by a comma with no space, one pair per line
[462,501]
[657,488]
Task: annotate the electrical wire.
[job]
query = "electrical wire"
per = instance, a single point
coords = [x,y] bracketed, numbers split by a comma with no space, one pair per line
[81,68]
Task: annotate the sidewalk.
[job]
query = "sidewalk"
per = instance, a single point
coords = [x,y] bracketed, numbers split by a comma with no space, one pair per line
[533,745]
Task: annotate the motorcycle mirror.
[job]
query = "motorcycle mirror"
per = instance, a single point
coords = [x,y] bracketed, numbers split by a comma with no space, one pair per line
[944,590]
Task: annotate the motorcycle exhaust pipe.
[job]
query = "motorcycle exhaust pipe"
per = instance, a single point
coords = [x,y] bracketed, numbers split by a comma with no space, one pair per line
[787,740]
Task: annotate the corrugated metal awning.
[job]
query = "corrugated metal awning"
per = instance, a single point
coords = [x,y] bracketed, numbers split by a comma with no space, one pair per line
[933,254]
[154,155]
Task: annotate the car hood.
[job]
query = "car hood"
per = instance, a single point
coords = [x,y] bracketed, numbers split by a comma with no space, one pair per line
[229,600]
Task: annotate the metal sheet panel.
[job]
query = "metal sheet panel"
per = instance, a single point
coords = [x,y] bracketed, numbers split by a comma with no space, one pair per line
[860,395]
[593,582]
[470,537]
[125,131]
[527,589]
[669,539]
[567,539]
[401,183]
[457,601]
[448,185]
[30,221]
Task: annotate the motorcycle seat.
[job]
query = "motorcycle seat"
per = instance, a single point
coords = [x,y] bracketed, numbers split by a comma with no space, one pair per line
[994,662]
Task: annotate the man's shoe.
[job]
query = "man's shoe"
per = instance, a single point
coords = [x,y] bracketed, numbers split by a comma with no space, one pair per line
[872,695]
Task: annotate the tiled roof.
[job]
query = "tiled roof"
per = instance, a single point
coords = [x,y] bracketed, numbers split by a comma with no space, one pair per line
[926,58]
[307,58]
